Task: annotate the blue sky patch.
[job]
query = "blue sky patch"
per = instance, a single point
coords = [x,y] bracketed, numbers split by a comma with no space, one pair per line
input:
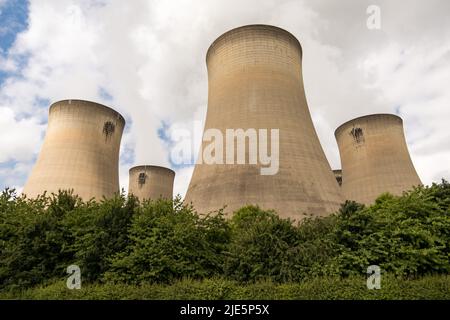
[104,94]
[13,20]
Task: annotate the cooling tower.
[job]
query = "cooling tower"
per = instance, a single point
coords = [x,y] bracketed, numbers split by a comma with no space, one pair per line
[151,182]
[255,82]
[374,158]
[80,151]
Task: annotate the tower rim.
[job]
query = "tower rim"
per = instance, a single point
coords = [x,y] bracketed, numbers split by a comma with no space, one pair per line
[144,166]
[102,106]
[373,115]
[257,25]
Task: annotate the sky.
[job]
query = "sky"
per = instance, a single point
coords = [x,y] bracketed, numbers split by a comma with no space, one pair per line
[146,59]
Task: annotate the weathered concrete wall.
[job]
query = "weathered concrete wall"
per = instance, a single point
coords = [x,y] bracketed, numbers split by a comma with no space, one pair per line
[80,151]
[151,182]
[374,158]
[255,81]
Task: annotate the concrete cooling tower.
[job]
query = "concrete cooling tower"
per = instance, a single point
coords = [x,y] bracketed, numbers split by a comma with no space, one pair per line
[255,82]
[374,158]
[80,151]
[151,182]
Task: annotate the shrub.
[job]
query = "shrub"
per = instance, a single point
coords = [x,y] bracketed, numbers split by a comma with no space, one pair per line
[120,240]
[98,231]
[170,241]
[260,245]
[407,235]
[324,288]
[34,242]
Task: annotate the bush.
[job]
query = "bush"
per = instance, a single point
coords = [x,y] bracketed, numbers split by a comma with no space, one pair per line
[407,235]
[98,231]
[324,288]
[120,240]
[34,241]
[170,241]
[261,246]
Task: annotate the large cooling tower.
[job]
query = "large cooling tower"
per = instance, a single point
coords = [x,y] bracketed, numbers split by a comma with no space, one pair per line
[374,158]
[151,182]
[255,81]
[80,151]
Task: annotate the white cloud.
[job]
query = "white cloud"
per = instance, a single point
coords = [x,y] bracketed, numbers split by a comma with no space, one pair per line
[182,178]
[19,139]
[150,57]
[15,172]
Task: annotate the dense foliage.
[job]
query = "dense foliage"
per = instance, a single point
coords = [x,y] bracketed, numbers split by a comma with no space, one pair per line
[169,241]
[323,288]
[121,241]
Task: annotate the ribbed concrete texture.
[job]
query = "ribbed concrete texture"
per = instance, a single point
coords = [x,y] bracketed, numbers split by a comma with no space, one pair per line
[255,81]
[80,151]
[338,176]
[151,182]
[374,158]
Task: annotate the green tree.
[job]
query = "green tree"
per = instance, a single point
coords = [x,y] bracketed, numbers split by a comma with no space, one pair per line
[100,230]
[34,244]
[261,245]
[170,241]
[406,235]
